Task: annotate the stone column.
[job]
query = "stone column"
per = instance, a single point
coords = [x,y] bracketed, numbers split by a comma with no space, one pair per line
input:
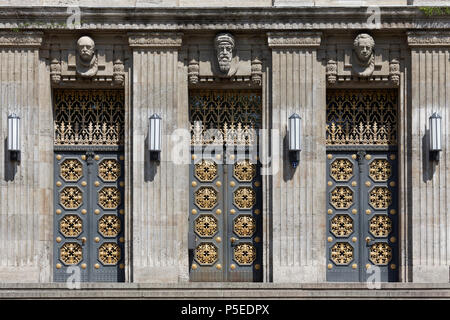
[298,195]
[430,191]
[25,189]
[159,190]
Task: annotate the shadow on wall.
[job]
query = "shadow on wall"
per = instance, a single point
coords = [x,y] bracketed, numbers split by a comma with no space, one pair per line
[288,170]
[150,166]
[428,165]
[10,166]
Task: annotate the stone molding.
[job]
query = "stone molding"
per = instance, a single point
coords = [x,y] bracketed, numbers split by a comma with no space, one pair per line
[155,39]
[293,39]
[21,39]
[427,39]
[173,19]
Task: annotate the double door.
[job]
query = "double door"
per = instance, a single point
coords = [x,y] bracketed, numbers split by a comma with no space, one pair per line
[225,218]
[362,217]
[89,216]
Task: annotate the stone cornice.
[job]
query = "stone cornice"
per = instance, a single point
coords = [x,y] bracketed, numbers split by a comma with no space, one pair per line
[155,39]
[173,19]
[427,39]
[20,39]
[293,39]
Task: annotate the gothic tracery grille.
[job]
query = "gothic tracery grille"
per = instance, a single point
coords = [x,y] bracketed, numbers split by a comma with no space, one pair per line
[361,117]
[88,117]
[224,116]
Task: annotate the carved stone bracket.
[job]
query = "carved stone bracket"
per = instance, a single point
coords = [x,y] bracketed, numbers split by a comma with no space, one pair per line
[428,38]
[103,62]
[155,39]
[293,39]
[20,39]
[226,58]
[382,65]
[256,66]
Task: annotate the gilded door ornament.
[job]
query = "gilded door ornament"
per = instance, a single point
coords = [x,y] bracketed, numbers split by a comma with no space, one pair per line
[341,169]
[206,226]
[244,253]
[109,197]
[109,225]
[244,171]
[71,253]
[88,117]
[71,170]
[380,170]
[109,253]
[71,197]
[244,225]
[71,225]
[380,253]
[206,170]
[109,170]
[342,225]
[342,253]
[206,253]
[361,117]
[206,197]
[342,197]
[380,226]
[380,198]
[244,197]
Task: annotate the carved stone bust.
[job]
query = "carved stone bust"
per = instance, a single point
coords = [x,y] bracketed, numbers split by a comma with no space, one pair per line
[224,44]
[87,65]
[363,59]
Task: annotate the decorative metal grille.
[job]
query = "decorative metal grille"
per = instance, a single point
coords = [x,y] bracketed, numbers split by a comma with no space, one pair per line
[245,253]
[109,253]
[361,117]
[342,253]
[380,170]
[89,117]
[380,253]
[224,116]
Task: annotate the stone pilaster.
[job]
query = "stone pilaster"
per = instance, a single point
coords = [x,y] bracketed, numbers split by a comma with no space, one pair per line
[25,189]
[298,195]
[430,193]
[159,191]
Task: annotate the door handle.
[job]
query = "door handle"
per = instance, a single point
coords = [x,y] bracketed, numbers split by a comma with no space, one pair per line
[83,240]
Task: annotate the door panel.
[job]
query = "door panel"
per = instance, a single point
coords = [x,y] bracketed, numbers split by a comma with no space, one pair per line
[362,219]
[225,219]
[89,231]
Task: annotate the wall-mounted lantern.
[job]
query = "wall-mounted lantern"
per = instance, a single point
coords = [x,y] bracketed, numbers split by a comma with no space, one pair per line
[154,136]
[435,135]
[294,139]
[14,137]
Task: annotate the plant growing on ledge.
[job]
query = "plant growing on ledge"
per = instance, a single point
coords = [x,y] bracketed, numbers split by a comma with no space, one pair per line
[435,11]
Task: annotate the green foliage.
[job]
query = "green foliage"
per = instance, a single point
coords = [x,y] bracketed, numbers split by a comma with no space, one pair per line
[435,11]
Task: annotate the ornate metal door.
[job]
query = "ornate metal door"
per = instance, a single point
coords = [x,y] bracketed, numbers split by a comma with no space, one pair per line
[89,183]
[225,186]
[362,218]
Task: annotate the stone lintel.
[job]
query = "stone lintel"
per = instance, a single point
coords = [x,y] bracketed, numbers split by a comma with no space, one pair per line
[428,38]
[155,39]
[293,39]
[20,39]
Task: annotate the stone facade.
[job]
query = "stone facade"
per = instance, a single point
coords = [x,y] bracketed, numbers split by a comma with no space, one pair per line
[155,55]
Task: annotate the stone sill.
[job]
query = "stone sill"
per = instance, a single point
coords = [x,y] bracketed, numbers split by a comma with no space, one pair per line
[226,291]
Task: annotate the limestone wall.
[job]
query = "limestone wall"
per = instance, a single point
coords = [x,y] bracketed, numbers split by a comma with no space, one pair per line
[25,189]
